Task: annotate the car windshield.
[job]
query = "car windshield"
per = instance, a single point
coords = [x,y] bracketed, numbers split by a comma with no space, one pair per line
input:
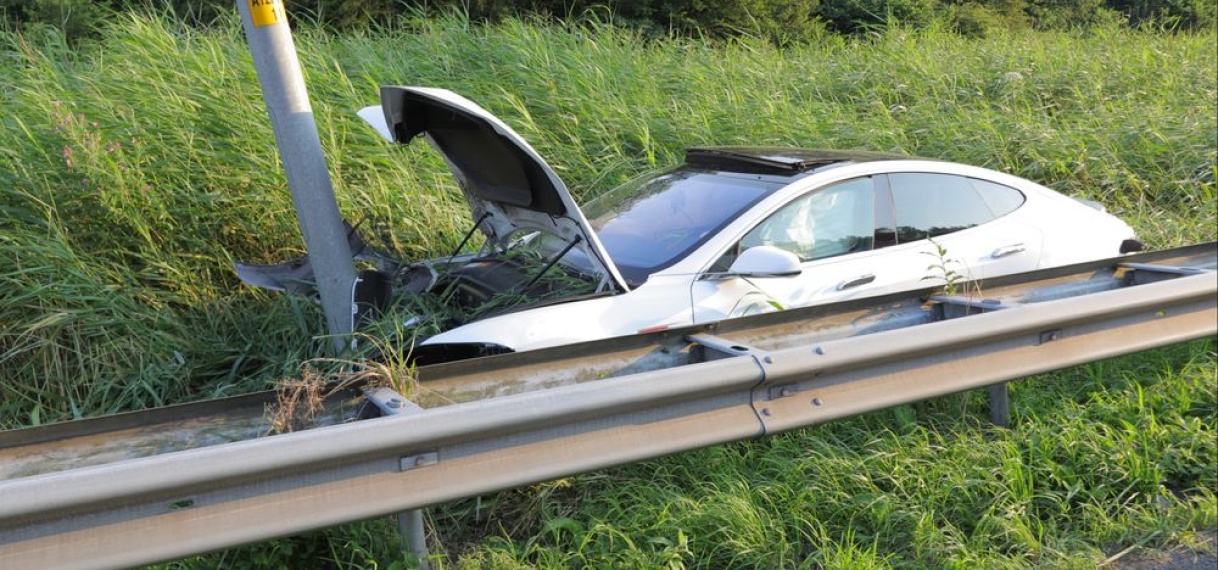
[652,222]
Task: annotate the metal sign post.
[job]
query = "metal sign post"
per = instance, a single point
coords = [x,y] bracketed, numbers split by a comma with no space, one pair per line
[287,102]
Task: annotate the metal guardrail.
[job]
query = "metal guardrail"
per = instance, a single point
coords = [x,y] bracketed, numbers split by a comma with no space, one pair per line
[175,504]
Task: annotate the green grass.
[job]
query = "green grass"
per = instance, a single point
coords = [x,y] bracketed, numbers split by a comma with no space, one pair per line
[133,171]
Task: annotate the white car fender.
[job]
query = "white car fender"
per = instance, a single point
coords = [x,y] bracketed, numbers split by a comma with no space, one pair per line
[648,307]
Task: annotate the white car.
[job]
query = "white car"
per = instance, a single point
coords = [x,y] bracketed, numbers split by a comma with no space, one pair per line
[731,232]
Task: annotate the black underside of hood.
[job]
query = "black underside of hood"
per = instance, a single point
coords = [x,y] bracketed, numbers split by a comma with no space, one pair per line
[496,168]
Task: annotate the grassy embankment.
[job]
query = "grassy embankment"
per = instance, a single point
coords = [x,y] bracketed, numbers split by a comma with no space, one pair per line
[133,171]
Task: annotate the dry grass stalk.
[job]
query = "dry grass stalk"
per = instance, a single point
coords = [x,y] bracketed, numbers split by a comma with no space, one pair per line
[300,401]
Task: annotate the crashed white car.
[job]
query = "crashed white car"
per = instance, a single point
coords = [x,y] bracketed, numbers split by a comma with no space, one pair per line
[731,232]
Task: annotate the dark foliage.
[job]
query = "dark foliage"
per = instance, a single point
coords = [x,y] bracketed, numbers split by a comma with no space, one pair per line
[782,21]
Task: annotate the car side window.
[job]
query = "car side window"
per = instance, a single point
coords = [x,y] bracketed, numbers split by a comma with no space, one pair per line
[824,223]
[930,205]
[1002,200]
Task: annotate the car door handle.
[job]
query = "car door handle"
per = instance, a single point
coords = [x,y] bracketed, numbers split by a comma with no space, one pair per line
[1007,250]
[860,280]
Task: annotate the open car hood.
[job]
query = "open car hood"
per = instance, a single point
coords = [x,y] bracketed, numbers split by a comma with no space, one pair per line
[508,185]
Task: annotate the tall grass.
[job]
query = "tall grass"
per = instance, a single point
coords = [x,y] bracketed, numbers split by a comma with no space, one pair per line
[134,171]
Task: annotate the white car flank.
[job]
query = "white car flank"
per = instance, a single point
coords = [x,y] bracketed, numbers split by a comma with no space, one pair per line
[732,232]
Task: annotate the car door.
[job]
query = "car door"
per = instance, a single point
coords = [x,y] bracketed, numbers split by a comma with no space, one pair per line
[958,228]
[830,229]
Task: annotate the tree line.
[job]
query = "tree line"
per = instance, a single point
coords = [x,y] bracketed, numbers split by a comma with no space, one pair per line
[780,20]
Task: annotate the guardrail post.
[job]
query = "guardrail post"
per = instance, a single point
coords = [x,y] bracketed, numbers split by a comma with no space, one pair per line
[1000,405]
[411,528]
[952,307]
[414,536]
[287,102]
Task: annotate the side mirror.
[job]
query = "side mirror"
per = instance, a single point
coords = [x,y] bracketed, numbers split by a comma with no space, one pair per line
[765,261]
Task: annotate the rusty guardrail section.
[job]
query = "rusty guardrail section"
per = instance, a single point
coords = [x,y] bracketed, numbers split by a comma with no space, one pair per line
[585,407]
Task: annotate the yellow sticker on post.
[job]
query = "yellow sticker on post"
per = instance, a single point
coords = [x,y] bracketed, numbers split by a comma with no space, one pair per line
[267,12]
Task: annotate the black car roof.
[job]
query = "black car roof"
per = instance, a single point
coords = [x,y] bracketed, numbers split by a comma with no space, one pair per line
[777,160]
